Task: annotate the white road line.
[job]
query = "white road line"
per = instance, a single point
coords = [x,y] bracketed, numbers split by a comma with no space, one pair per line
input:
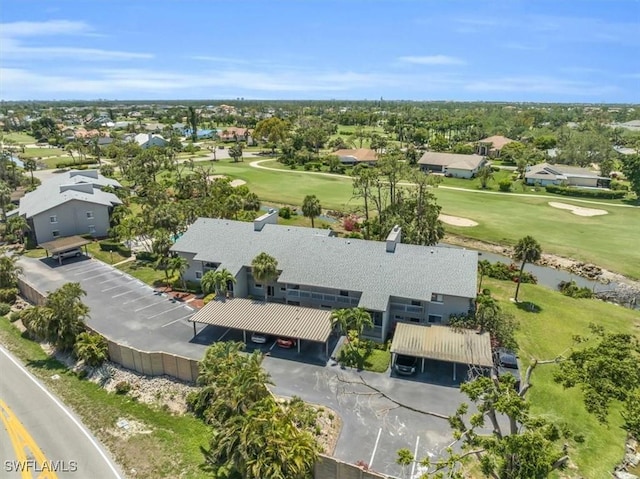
[134,299]
[89,270]
[225,333]
[98,275]
[176,320]
[65,410]
[122,294]
[373,453]
[148,306]
[415,457]
[112,287]
[163,312]
[273,345]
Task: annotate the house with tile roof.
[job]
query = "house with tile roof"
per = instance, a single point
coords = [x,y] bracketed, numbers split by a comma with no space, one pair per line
[393,281]
[357,156]
[492,145]
[452,164]
[544,174]
[71,203]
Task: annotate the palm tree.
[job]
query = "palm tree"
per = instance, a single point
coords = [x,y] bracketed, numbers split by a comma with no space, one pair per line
[484,175]
[311,208]
[181,265]
[483,269]
[5,198]
[527,250]
[9,271]
[265,270]
[234,205]
[223,279]
[30,165]
[16,226]
[340,318]
[91,348]
[208,282]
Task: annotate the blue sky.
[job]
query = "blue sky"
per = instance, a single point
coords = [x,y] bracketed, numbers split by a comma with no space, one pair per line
[535,50]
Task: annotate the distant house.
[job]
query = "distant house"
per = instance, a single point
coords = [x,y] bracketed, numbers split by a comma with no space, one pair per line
[200,133]
[452,164]
[232,133]
[147,140]
[357,156]
[547,174]
[492,145]
[67,204]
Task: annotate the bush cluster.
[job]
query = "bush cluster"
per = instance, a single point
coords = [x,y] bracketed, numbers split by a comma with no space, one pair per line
[75,164]
[146,256]
[110,245]
[4,309]
[285,212]
[586,193]
[509,272]
[8,295]
[123,387]
[571,289]
[504,185]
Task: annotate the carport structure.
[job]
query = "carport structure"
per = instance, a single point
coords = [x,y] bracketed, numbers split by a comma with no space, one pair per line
[67,243]
[273,319]
[442,343]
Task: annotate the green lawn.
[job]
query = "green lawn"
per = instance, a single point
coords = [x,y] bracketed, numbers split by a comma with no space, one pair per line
[143,271]
[171,449]
[19,138]
[377,361]
[548,334]
[35,253]
[104,256]
[503,219]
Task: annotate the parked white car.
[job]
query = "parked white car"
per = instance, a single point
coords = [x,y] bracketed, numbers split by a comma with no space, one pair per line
[72,253]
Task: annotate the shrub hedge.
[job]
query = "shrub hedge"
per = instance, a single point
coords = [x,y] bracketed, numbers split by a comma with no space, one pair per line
[585,193]
[75,164]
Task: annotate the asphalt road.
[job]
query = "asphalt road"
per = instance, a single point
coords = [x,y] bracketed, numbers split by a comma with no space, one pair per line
[128,311]
[38,423]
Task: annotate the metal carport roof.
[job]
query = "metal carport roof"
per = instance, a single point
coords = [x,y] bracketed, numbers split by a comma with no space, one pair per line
[274,319]
[64,244]
[443,343]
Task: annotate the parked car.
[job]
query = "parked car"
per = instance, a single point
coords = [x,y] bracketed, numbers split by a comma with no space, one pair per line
[286,343]
[406,365]
[72,253]
[506,362]
[259,338]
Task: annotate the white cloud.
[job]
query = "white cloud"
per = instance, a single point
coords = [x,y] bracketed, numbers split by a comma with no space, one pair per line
[206,58]
[432,60]
[51,27]
[12,37]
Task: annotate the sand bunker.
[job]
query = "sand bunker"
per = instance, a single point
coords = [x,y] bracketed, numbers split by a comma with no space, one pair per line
[457,221]
[233,183]
[578,210]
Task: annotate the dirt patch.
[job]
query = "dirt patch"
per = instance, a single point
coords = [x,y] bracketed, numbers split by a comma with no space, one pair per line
[578,210]
[232,183]
[457,221]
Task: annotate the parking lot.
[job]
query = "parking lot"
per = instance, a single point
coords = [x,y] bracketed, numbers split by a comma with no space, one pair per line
[373,428]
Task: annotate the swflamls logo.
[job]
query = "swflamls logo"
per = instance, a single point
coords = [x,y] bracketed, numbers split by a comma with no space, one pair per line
[39,467]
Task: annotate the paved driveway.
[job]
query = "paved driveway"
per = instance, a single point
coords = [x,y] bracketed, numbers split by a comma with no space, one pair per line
[128,311]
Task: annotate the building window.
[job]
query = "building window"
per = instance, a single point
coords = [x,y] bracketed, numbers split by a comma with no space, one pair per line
[89,215]
[344,293]
[415,303]
[282,288]
[55,233]
[53,219]
[294,286]
[92,229]
[198,274]
[436,298]
[414,320]
[258,285]
[435,319]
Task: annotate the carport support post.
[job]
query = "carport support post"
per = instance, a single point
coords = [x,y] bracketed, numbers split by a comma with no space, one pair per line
[244,335]
[423,365]
[454,371]
[194,328]
[298,346]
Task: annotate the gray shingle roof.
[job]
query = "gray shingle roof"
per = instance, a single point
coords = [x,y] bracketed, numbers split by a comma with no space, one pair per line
[48,195]
[452,160]
[310,257]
